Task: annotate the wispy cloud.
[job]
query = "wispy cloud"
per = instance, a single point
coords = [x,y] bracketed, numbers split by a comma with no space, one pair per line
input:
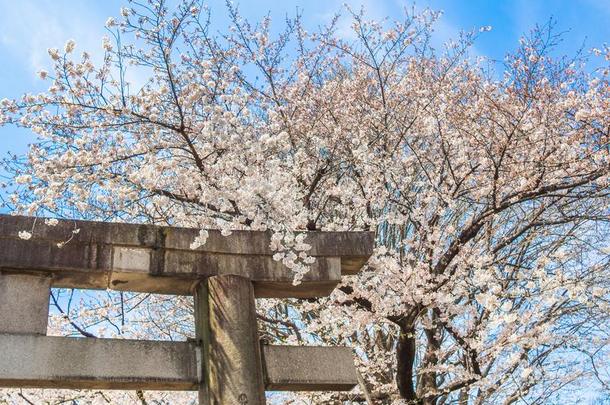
[30,27]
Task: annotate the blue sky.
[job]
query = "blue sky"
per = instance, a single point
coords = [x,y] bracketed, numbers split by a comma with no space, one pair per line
[29,27]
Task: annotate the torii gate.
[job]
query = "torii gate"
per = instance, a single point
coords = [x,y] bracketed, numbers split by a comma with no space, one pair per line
[226,363]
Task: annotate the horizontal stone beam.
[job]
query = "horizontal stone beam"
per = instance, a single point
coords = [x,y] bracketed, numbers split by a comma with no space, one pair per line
[354,246]
[30,361]
[88,363]
[145,258]
[307,368]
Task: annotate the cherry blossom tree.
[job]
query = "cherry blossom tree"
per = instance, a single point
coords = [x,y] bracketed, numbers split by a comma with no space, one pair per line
[487,188]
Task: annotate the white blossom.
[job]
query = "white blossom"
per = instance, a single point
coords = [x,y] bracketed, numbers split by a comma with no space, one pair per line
[51,221]
[70,45]
[25,235]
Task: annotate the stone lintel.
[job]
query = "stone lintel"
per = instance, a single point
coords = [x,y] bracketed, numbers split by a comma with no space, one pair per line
[144,258]
[88,363]
[307,368]
[335,244]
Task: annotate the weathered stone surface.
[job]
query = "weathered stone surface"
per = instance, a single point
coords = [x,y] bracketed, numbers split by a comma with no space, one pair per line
[302,368]
[30,361]
[24,303]
[202,334]
[234,367]
[58,362]
[145,258]
[336,244]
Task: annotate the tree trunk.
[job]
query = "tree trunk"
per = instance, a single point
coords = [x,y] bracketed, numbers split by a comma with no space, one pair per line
[428,381]
[405,356]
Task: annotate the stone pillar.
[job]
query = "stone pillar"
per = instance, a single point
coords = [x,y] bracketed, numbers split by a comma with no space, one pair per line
[231,363]
[202,330]
[24,303]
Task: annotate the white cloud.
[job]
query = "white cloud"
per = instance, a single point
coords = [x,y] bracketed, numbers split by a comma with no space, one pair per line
[31,27]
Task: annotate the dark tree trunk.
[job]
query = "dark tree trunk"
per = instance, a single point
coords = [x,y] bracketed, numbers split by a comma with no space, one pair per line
[428,381]
[405,356]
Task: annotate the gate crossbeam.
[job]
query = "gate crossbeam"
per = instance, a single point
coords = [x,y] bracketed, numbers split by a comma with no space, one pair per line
[76,363]
[146,258]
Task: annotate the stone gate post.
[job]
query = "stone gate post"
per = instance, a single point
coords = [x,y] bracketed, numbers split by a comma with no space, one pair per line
[231,366]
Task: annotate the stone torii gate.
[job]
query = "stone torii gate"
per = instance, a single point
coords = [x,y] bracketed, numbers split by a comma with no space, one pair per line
[226,363]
